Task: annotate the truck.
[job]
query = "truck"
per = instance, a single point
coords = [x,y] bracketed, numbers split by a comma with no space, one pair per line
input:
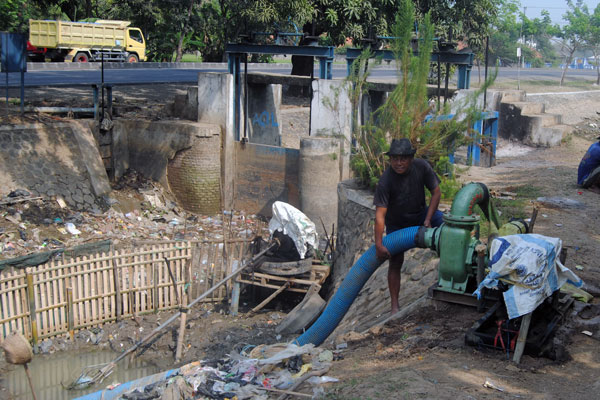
[85,41]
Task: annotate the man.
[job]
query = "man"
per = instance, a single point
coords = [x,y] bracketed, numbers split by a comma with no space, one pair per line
[588,174]
[400,203]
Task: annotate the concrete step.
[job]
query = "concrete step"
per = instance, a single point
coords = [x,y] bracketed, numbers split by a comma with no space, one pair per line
[548,136]
[513,96]
[543,119]
[527,107]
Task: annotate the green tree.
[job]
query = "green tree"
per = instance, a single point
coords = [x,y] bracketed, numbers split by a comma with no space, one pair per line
[573,35]
[15,14]
[407,107]
[593,40]
[504,34]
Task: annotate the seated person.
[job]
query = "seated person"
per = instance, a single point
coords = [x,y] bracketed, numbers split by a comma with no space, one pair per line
[588,174]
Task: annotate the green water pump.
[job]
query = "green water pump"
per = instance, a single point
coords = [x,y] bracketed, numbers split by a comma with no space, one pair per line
[457,242]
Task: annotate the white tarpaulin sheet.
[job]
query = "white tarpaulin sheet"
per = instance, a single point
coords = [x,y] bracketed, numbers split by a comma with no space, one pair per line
[530,264]
[295,224]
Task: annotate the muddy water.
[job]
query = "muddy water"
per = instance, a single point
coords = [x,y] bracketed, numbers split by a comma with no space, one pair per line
[49,371]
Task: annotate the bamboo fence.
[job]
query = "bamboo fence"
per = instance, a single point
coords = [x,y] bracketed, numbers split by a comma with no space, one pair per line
[63,296]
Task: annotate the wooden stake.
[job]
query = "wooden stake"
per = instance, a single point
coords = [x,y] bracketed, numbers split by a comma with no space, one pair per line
[521,341]
[271,297]
[118,303]
[29,380]
[32,310]
[182,322]
[70,312]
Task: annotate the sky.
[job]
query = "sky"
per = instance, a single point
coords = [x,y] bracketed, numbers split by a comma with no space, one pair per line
[556,8]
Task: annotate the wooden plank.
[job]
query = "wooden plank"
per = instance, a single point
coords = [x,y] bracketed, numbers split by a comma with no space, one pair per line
[4,308]
[106,291]
[117,301]
[87,307]
[56,321]
[77,296]
[12,309]
[126,294]
[135,284]
[61,296]
[213,269]
[522,339]
[39,295]
[70,313]
[142,282]
[271,297]
[23,309]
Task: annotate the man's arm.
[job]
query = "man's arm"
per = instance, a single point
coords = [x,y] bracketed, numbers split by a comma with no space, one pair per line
[436,195]
[381,251]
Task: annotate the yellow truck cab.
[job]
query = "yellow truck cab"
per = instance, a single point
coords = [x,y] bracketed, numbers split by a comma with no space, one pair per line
[86,41]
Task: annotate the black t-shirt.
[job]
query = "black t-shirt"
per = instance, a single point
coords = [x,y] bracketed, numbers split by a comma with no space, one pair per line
[404,195]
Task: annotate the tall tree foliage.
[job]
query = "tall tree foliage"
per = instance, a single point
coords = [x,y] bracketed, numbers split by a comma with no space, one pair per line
[593,40]
[573,35]
[407,108]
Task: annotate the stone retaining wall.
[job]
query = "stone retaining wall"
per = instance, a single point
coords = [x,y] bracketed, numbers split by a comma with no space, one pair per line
[355,235]
[58,160]
[182,155]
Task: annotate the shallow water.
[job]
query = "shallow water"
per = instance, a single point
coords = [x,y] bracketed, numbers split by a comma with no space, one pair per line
[49,372]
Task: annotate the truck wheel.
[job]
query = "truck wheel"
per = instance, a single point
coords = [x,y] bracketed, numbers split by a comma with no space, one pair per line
[132,58]
[81,57]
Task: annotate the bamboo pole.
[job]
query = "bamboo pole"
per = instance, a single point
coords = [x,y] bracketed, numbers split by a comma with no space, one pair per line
[182,322]
[118,304]
[70,312]
[32,310]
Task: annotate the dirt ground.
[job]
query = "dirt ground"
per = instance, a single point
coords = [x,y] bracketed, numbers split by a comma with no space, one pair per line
[422,355]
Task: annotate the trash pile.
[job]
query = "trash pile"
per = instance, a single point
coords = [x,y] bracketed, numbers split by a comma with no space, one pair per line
[137,209]
[252,373]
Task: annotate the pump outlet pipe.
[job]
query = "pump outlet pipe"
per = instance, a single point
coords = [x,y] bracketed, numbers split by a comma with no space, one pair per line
[361,271]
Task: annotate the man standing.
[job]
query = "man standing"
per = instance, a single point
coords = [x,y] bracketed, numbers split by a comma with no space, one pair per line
[588,174]
[400,203]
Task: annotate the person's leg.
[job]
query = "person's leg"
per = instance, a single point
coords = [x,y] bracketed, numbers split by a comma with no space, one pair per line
[437,219]
[593,180]
[395,265]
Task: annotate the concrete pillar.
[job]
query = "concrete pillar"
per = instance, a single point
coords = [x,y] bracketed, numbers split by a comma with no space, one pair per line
[264,117]
[319,176]
[331,115]
[215,106]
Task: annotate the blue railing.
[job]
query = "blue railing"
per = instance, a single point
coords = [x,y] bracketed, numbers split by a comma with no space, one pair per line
[485,128]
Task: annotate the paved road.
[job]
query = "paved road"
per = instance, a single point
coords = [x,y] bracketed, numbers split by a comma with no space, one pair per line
[148,73]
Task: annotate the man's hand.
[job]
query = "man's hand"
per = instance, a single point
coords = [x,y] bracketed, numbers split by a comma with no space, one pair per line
[382,253]
[427,223]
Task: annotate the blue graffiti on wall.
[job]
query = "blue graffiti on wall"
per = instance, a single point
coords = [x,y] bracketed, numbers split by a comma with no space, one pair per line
[265,119]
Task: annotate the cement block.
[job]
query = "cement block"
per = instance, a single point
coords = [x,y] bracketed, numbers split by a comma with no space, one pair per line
[265,174]
[527,107]
[332,116]
[548,136]
[92,159]
[319,170]
[264,114]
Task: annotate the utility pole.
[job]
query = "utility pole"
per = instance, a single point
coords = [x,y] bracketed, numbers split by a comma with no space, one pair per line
[519,53]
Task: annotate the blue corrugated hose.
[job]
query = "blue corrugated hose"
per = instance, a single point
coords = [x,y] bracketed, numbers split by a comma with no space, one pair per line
[361,271]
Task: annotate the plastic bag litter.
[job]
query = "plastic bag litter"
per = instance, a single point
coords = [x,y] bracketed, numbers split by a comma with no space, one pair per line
[530,263]
[72,229]
[290,351]
[282,379]
[319,380]
[295,224]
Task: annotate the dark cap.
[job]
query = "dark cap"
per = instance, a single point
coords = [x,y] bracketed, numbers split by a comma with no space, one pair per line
[401,147]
